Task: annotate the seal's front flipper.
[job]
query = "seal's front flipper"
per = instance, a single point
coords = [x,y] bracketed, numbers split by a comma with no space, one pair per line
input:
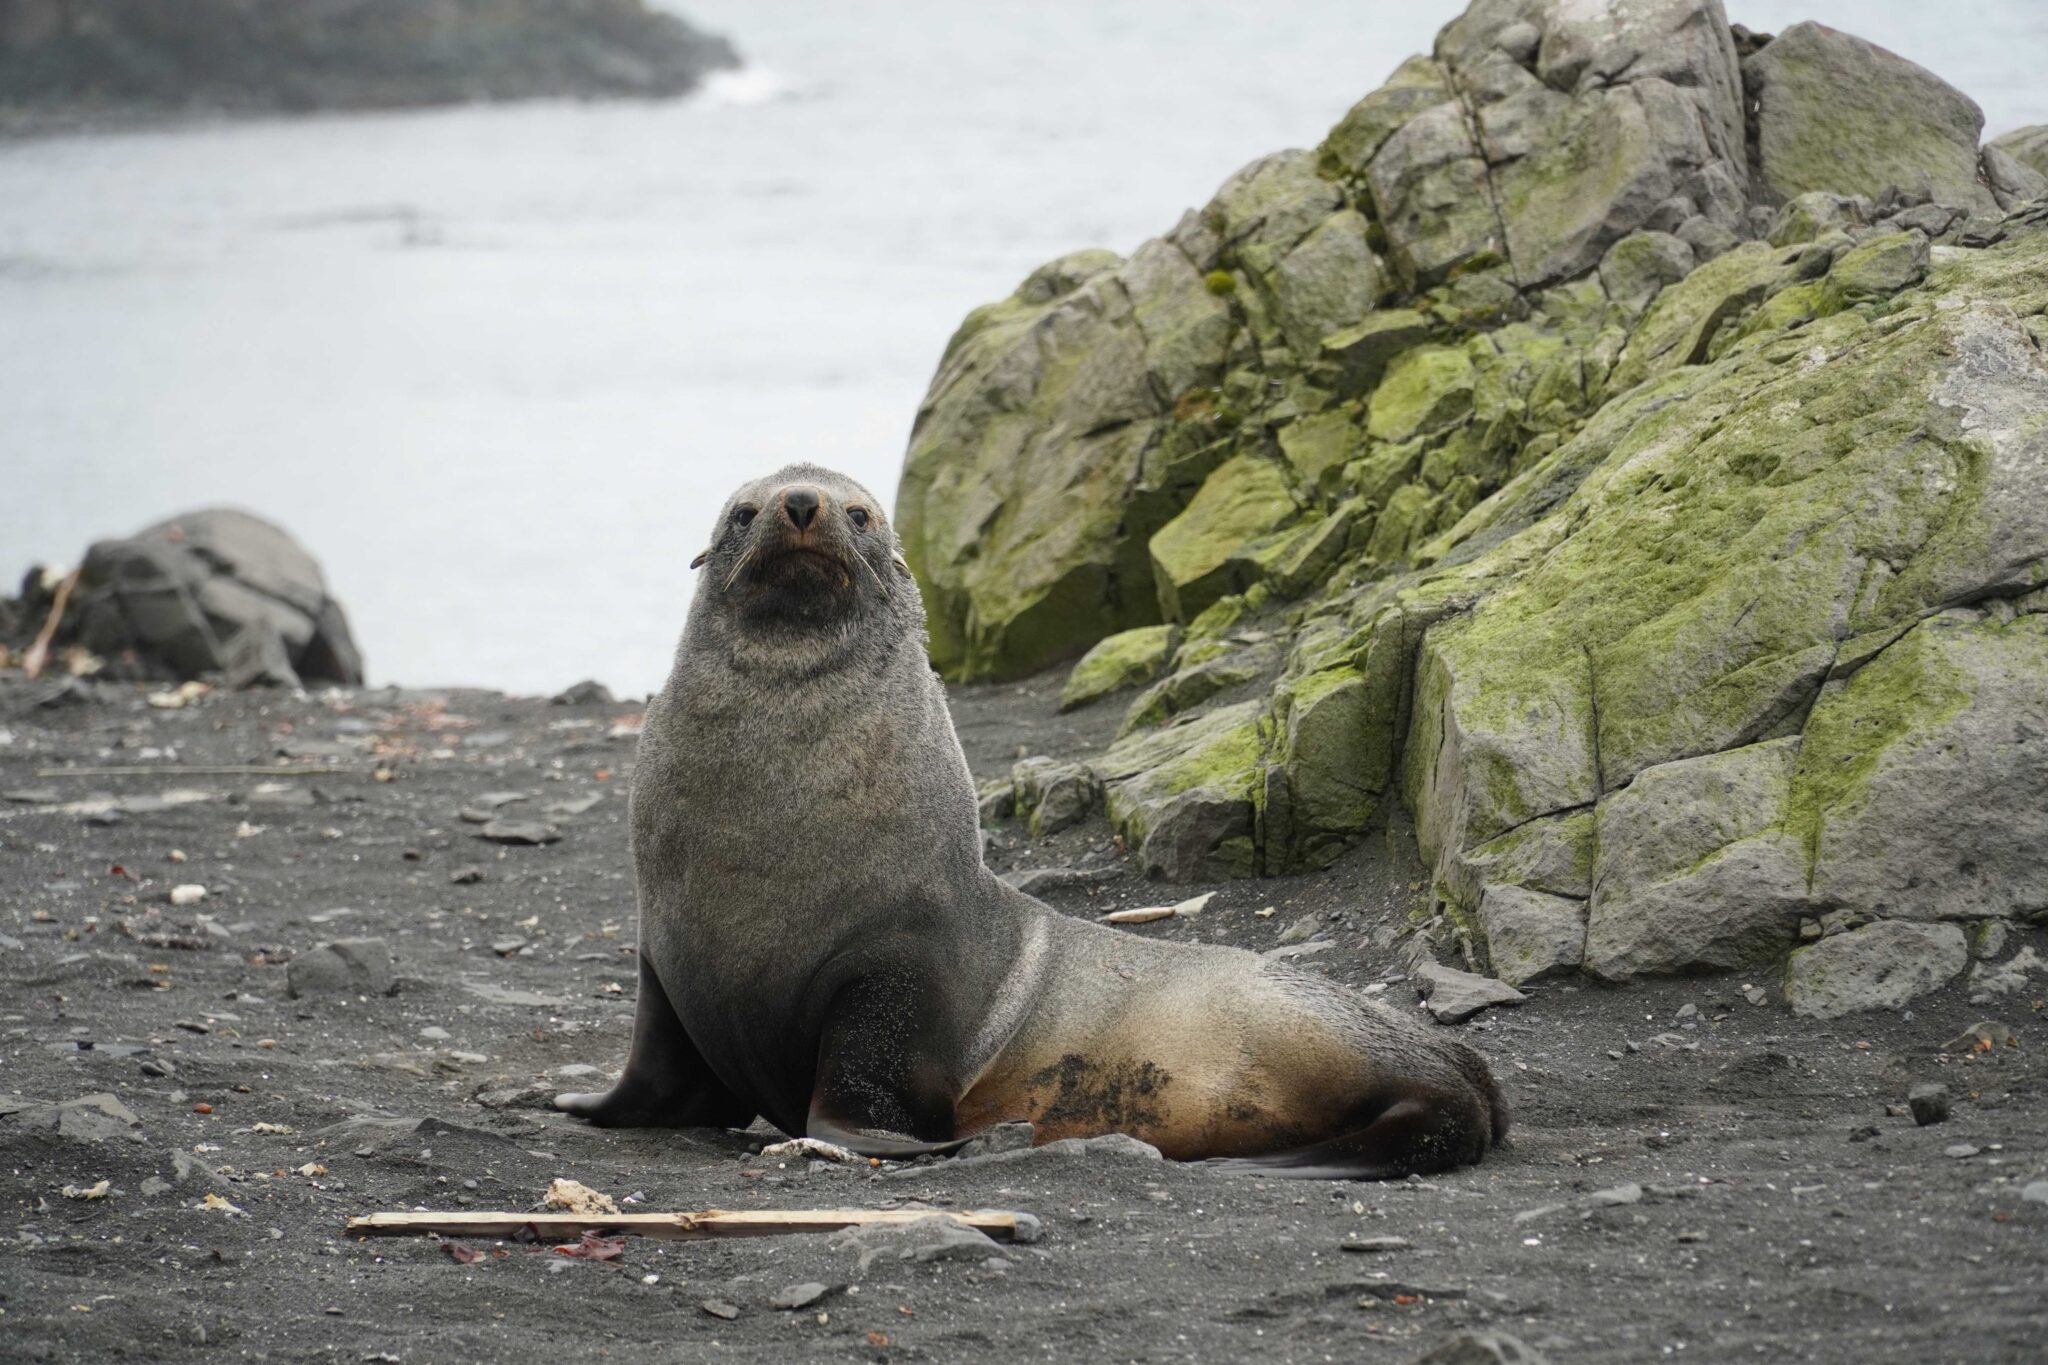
[666,1083]
[883,1088]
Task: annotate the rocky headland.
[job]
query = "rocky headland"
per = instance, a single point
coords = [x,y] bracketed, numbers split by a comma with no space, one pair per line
[80,62]
[1615,453]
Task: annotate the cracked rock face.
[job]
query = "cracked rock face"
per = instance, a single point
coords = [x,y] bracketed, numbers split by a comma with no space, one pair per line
[1650,502]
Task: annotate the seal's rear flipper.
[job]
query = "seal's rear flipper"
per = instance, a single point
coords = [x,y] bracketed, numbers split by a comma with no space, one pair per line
[1415,1135]
[666,1083]
[881,1087]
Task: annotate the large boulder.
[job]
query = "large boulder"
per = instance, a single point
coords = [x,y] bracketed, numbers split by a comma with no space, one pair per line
[213,593]
[1834,112]
[1667,540]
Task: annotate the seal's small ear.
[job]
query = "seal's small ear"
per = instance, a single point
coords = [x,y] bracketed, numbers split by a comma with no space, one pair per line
[902,565]
[698,562]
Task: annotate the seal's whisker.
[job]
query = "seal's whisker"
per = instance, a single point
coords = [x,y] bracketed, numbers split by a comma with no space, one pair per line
[861,560]
[732,577]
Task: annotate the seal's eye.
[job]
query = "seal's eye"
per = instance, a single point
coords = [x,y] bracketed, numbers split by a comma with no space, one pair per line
[743,517]
[859,517]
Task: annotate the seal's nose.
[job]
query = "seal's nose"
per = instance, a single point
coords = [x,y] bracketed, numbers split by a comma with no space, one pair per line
[800,505]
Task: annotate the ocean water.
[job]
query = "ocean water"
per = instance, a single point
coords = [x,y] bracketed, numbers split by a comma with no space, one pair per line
[498,367]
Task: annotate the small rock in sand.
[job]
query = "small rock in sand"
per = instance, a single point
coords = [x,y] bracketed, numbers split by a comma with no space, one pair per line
[519,832]
[350,966]
[1482,1348]
[924,1240]
[1452,996]
[799,1296]
[1929,1103]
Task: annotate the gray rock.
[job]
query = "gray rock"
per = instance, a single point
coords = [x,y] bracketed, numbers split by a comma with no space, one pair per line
[2035,1192]
[1003,1137]
[1530,934]
[89,1118]
[1452,996]
[922,1241]
[1984,1036]
[589,692]
[1637,266]
[1880,966]
[1692,873]
[1929,1103]
[1877,269]
[1947,822]
[719,1308]
[350,966]
[1054,796]
[1429,186]
[1834,112]
[519,832]
[2028,146]
[1961,1151]
[1328,282]
[797,1296]
[214,592]
[1988,980]
[1482,1347]
[1813,214]
[1374,1245]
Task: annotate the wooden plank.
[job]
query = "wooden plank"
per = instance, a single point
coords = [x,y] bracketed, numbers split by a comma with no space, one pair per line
[204,770]
[683,1227]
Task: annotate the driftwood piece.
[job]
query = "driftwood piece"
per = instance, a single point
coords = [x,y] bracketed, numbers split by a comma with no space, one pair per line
[204,770]
[683,1227]
[39,649]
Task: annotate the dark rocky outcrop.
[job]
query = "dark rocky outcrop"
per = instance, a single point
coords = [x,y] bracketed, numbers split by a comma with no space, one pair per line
[212,594]
[1622,445]
[88,59]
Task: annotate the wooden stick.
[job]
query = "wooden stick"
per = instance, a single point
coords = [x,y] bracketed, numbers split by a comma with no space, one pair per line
[200,770]
[39,651]
[683,1227]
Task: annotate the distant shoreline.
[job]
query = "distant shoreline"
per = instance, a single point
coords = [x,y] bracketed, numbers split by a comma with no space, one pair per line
[72,67]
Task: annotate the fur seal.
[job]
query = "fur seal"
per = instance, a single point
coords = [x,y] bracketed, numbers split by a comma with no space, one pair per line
[820,942]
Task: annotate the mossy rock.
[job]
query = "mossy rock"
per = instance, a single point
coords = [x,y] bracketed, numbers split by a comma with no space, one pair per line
[1424,390]
[1126,659]
[1195,556]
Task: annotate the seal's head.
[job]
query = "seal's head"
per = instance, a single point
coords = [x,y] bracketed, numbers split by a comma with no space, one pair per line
[802,567]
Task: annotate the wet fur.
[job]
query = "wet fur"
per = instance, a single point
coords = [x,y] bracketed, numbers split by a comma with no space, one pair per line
[821,943]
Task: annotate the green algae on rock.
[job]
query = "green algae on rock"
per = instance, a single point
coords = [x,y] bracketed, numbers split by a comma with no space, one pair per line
[1639,528]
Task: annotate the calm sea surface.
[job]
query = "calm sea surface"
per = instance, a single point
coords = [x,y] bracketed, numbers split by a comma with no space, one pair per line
[499,366]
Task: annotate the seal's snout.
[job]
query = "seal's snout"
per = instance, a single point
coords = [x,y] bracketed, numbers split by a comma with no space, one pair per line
[800,506]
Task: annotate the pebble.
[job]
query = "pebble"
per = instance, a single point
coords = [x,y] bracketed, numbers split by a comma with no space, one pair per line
[1375,1244]
[466,876]
[1961,1151]
[799,1296]
[2036,1192]
[350,966]
[519,832]
[434,1033]
[1482,1348]
[191,893]
[1929,1103]
[719,1308]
